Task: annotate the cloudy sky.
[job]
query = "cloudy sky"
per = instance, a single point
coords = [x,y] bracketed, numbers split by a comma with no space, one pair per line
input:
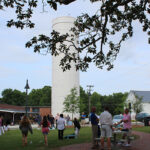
[131,69]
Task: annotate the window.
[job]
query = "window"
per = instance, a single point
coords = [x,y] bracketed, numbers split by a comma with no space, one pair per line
[35,109]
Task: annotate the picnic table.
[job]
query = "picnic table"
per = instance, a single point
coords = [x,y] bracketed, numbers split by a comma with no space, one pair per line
[117,132]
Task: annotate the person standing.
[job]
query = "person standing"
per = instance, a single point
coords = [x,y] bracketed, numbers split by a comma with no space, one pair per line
[56,119]
[39,119]
[106,127]
[25,126]
[1,125]
[6,125]
[127,127]
[60,127]
[51,119]
[48,117]
[83,116]
[45,129]
[67,119]
[94,122]
[76,127]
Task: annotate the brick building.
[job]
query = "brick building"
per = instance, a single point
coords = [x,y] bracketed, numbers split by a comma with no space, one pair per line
[42,110]
[13,113]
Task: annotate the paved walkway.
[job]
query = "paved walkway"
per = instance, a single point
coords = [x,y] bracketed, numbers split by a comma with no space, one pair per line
[142,143]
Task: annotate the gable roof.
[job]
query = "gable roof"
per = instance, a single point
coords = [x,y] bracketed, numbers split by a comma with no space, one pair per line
[144,94]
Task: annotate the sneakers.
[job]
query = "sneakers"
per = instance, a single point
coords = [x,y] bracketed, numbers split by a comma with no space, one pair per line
[127,145]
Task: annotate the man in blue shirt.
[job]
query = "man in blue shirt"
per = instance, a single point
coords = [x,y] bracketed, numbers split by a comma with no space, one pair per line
[94,122]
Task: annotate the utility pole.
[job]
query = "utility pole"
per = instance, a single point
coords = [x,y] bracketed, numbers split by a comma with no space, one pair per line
[89,94]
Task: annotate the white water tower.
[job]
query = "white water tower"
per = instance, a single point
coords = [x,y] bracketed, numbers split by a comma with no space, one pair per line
[63,82]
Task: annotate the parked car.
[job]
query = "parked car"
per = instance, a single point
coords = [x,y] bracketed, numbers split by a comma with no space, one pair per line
[86,120]
[141,116]
[147,121]
[116,119]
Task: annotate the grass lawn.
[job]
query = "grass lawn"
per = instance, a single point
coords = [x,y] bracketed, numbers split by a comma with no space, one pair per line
[142,129]
[12,140]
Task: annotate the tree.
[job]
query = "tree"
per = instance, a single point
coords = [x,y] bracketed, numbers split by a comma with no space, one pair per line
[115,102]
[95,101]
[13,97]
[37,97]
[137,104]
[40,97]
[114,17]
[71,102]
[118,102]
[46,96]
[83,101]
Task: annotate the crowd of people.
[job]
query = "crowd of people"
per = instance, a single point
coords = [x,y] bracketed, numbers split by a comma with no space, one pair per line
[102,126]
[107,127]
[46,123]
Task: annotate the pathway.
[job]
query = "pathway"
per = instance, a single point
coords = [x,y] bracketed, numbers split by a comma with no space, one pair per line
[142,143]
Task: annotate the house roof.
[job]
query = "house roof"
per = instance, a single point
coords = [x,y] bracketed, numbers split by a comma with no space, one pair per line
[17,109]
[12,108]
[144,94]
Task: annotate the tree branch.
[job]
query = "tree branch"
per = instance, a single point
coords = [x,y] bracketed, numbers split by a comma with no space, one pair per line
[65,2]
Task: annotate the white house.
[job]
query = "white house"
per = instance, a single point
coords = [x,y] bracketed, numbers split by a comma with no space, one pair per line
[145,95]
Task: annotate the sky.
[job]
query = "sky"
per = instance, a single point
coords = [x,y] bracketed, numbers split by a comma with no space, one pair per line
[17,63]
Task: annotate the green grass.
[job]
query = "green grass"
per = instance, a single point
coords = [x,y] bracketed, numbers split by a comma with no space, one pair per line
[12,140]
[142,129]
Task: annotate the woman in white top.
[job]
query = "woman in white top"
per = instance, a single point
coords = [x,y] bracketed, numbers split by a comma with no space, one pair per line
[60,126]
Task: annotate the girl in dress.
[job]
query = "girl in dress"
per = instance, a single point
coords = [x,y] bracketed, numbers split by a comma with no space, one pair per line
[45,129]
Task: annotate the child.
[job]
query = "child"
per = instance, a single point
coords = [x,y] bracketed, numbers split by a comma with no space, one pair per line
[25,126]
[45,129]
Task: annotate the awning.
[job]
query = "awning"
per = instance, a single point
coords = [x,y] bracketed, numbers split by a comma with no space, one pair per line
[17,111]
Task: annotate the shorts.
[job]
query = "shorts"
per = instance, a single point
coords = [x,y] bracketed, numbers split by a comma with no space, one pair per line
[106,131]
[25,133]
[127,132]
[45,130]
[45,133]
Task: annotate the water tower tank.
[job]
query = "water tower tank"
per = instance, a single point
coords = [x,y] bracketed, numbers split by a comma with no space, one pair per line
[63,82]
